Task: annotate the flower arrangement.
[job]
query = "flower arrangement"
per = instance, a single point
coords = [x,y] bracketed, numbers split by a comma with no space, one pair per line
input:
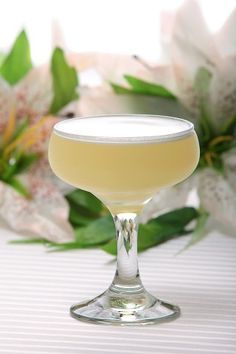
[197,80]
[29,99]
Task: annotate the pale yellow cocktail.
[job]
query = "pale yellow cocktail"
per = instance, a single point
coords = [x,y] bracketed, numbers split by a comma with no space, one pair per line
[123,173]
[124,160]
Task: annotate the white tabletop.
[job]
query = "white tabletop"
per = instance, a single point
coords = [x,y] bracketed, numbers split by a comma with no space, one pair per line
[37,288]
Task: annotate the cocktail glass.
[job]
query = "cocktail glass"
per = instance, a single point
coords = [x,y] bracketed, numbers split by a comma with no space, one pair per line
[124,160]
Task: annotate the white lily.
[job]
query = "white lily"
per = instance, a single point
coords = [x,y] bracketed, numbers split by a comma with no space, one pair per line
[30,97]
[45,213]
[189,45]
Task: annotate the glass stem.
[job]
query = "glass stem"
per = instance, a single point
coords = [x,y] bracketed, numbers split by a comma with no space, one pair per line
[127,277]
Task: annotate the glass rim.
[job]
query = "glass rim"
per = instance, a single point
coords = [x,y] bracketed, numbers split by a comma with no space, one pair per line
[128,140]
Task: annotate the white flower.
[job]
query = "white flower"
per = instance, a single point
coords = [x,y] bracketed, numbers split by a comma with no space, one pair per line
[44,216]
[189,45]
[45,213]
[31,97]
[218,198]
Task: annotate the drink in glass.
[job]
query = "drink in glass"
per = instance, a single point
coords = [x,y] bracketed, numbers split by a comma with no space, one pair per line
[124,160]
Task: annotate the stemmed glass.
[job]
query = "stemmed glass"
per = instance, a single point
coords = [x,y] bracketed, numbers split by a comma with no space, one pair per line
[124,160]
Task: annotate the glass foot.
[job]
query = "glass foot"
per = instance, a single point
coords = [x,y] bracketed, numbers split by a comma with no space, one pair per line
[120,309]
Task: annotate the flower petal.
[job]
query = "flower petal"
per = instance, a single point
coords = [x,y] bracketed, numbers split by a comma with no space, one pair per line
[218,197]
[230,167]
[34,93]
[44,216]
[225,39]
[168,199]
[111,67]
[7,103]
[223,91]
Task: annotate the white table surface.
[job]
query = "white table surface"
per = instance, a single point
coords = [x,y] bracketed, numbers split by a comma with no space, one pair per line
[37,288]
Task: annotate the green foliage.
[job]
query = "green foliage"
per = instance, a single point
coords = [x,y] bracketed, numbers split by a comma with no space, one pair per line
[96,233]
[65,81]
[142,87]
[202,85]
[86,200]
[18,62]
[160,229]
[18,186]
[229,128]
[28,241]
[121,90]
[202,82]
[199,231]
[213,142]
[20,163]
[101,232]
[17,164]
[20,129]
[2,57]
[84,207]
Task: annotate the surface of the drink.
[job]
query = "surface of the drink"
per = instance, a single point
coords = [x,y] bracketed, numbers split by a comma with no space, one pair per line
[123,128]
[123,163]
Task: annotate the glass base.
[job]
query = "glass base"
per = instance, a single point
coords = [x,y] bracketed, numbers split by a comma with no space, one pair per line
[125,309]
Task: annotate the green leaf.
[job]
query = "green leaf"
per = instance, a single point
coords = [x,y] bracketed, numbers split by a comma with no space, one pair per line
[161,229]
[218,164]
[121,90]
[199,231]
[229,126]
[18,62]
[202,81]
[99,231]
[65,81]
[110,247]
[147,88]
[177,218]
[86,200]
[18,186]
[27,241]
[77,219]
[96,233]
[20,128]
[17,164]
[84,208]
[2,57]
[202,85]
[25,162]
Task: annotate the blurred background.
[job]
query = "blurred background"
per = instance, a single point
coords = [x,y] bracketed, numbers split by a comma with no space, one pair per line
[60,59]
[124,26]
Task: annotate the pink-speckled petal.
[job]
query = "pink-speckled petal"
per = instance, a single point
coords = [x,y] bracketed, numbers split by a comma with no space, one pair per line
[218,198]
[223,91]
[7,102]
[45,215]
[34,93]
[230,167]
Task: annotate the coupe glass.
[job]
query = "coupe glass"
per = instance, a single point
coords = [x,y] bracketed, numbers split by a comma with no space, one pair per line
[124,160]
